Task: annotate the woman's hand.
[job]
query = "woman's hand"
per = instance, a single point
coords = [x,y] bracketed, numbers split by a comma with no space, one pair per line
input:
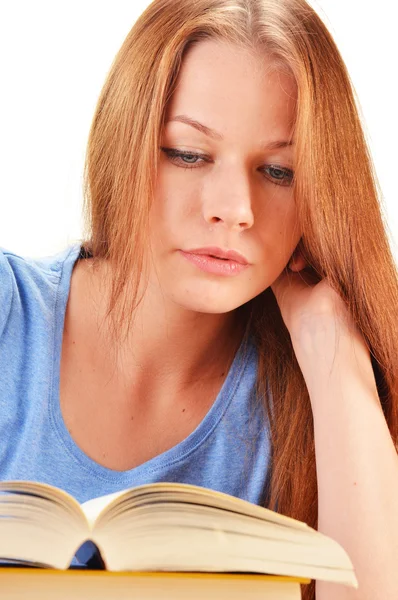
[318,320]
[302,301]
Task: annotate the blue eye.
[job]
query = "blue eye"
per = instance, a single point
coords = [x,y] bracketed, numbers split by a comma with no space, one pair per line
[180,155]
[189,160]
[281,174]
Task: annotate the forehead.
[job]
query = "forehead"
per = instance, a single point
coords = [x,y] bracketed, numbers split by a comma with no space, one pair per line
[225,84]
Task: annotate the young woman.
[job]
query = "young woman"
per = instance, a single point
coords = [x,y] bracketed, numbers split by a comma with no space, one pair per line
[229,319]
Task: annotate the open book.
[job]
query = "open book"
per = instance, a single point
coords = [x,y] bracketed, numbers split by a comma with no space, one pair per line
[164,527]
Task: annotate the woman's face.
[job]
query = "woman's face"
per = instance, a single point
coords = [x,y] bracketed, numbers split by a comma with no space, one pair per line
[231,190]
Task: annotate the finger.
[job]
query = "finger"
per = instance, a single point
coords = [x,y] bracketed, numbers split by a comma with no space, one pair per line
[291,282]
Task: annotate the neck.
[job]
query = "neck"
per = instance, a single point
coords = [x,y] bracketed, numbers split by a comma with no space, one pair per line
[167,345]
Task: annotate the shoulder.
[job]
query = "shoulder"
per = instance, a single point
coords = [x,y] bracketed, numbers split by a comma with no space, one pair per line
[25,282]
[47,264]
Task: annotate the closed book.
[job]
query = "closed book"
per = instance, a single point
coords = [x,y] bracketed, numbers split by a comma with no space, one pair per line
[43,584]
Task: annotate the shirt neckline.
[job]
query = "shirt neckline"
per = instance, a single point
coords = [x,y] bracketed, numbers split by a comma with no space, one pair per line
[171,456]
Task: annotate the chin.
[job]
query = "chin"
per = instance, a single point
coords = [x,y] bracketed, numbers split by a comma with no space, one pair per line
[215,309]
[210,309]
[211,301]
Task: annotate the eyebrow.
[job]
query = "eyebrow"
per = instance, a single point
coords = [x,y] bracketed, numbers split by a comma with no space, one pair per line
[273,145]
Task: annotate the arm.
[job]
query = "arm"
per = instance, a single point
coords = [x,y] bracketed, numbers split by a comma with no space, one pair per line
[357,463]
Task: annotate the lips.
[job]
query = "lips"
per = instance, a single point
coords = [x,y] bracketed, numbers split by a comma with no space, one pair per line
[216,252]
[220,266]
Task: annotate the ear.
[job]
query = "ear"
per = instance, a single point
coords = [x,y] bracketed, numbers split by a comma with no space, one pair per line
[297,262]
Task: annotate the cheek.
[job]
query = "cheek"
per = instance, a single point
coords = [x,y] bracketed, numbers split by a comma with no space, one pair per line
[279,232]
[173,209]
[166,223]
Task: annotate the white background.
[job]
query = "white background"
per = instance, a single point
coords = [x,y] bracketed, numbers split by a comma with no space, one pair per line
[54,57]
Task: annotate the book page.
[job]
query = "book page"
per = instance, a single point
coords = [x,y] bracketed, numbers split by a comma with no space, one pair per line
[39,524]
[94,507]
[172,526]
[46,491]
[184,493]
[193,494]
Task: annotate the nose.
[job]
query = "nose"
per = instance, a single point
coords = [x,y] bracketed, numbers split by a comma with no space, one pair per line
[228,202]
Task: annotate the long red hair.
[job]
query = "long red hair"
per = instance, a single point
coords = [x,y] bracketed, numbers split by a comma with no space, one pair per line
[336,192]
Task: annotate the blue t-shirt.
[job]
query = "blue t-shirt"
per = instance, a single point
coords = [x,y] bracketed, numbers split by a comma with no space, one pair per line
[228,451]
